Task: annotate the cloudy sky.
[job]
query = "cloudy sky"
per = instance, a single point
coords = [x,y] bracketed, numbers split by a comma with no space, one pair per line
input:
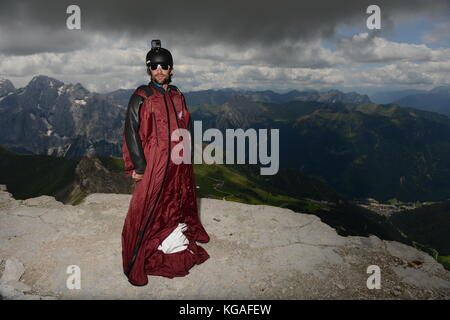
[277,45]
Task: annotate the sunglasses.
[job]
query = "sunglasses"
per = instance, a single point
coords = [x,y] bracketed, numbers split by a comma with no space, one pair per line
[163,66]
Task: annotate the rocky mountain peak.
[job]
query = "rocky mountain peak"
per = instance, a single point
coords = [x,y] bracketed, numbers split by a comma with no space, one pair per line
[238,111]
[239,100]
[78,91]
[6,87]
[41,82]
[333,96]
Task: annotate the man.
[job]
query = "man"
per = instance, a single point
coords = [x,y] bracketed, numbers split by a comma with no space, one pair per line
[162,223]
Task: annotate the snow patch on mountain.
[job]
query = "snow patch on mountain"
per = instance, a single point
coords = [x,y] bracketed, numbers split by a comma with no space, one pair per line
[80,101]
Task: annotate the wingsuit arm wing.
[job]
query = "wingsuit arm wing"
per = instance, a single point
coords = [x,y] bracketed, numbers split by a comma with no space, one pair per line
[131,132]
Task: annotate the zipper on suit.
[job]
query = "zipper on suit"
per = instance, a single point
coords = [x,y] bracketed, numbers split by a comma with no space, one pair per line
[178,126]
[174,110]
[189,127]
[156,128]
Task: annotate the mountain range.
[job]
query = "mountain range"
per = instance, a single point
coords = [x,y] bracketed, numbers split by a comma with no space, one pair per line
[53,118]
[360,148]
[367,150]
[436,99]
[50,117]
[221,96]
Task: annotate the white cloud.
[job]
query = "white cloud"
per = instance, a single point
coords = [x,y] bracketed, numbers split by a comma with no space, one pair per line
[109,64]
[366,48]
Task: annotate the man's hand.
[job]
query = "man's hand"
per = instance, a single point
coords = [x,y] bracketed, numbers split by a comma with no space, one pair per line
[137,177]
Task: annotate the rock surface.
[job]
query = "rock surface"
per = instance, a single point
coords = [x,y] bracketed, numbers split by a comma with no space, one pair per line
[256,252]
[12,272]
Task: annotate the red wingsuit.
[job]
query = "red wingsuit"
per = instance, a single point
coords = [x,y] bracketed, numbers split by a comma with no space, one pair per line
[164,197]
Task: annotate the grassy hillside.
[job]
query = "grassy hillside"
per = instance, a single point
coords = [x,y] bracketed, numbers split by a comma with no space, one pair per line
[428,225]
[223,182]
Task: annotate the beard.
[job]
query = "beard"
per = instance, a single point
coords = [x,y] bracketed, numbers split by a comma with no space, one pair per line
[166,80]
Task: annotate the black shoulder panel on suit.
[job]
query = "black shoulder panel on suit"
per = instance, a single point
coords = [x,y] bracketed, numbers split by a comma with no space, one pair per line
[148,91]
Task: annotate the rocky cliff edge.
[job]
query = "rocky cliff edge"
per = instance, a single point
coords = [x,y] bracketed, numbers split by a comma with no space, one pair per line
[256,252]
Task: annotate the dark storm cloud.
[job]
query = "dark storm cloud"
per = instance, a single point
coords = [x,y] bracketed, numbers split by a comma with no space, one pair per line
[37,40]
[38,26]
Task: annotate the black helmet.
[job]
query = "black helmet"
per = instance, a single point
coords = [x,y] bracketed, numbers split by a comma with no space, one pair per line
[158,55]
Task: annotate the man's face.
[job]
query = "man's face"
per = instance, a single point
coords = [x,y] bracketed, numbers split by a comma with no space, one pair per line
[161,76]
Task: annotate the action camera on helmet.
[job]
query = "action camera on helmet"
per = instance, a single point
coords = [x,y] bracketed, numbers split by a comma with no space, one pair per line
[156,44]
[158,55]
